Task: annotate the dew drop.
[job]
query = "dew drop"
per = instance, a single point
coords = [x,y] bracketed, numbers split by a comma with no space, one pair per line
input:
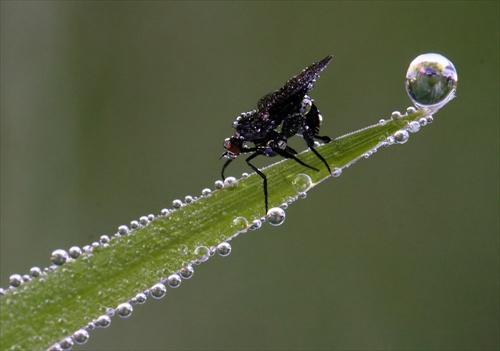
[140,298]
[174,280]
[104,239]
[54,347]
[66,343]
[2,292]
[74,252]
[244,175]
[124,310]
[123,229]
[177,203]
[183,249]
[35,272]
[240,224]
[413,126]
[276,216]
[336,172]
[144,220]
[429,119]
[302,195]
[202,253]
[59,257]
[396,115]
[81,336]
[230,182]
[401,136]
[134,224]
[103,321]
[26,278]
[158,291]
[15,280]
[382,122]
[301,183]
[165,212]
[224,249]
[422,121]
[206,192]
[219,184]
[188,199]
[411,110]
[187,272]
[431,80]
[256,224]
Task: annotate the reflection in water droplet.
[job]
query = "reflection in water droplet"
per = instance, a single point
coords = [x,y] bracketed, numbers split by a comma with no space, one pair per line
[224,249]
[74,252]
[174,280]
[240,224]
[431,80]
[206,192]
[188,199]
[202,253]
[230,182]
[256,224]
[413,126]
[276,216]
[103,321]
[219,184]
[66,343]
[59,257]
[177,203]
[140,298]
[187,272]
[422,121]
[429,119]
[396,115]
[336,172]
[401,136]
[81,336]
[124,310]
[158,291]
[301,183]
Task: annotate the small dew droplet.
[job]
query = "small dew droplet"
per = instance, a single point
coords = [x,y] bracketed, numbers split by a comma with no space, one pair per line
[396,115]
[66,343]
[336,172]
[301,183]
[183,249]
[187,272]
[174,281]
[134,224]
[74,252]
[240,224]
[140,298]
[103,321]
[219,184]
[401,136]
[124,310]
[144,220]
[35,272]
[158,291]
[123,229]
[230,182]
[276,216]
[81,336]
[188,199]
[59,257]
[224,249]
[413,126]
[256,224]
[177,203]
[202,253]
[206,192]
[15,280]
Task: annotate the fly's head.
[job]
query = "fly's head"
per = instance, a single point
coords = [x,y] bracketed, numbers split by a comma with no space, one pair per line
[233,146]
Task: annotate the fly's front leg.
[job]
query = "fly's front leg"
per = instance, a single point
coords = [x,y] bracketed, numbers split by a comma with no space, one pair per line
[262,175]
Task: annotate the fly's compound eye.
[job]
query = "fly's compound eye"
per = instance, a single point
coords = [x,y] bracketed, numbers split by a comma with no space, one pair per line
[233,147]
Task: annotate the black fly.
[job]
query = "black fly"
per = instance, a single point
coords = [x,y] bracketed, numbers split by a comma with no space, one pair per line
[279,115]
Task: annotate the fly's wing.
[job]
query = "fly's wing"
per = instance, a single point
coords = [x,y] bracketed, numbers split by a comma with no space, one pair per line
[295,88]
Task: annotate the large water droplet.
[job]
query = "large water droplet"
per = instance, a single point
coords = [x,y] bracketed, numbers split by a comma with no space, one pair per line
[301,183]
[276,216]
[224,249]
[431,80]
[401,136]
[230,182]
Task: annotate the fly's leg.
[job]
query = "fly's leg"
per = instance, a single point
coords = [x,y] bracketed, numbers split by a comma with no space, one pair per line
[288,154]
[262,175]
[310,130]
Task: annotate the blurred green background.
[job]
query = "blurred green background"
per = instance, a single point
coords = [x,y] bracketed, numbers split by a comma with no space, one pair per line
[110,110]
